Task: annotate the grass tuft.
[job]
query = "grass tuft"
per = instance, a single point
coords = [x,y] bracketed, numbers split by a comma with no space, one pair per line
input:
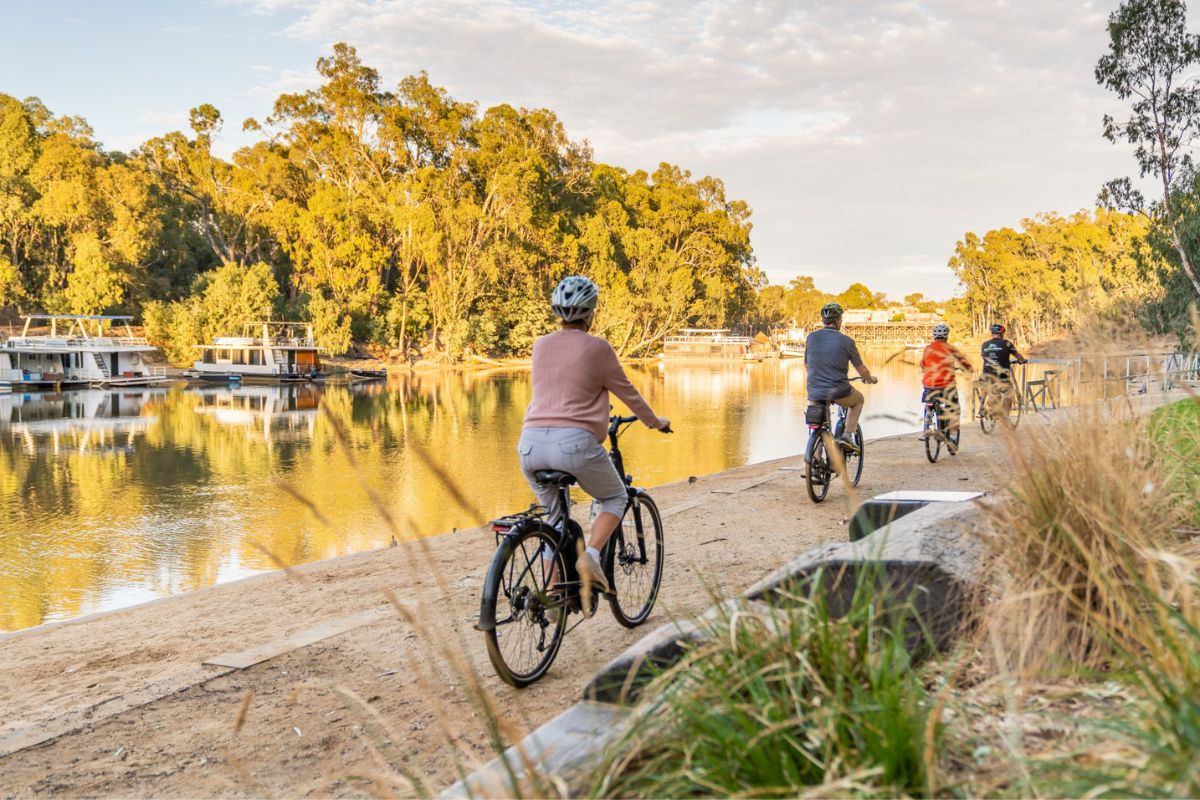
[775,704]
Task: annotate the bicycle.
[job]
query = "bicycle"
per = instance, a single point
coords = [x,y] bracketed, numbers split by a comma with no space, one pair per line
[821,466]
[991,399]
[936,429]
[522,616]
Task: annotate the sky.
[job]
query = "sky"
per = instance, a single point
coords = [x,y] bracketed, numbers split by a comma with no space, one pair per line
[867,136]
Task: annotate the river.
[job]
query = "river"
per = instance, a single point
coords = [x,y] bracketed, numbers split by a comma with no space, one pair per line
[115,497]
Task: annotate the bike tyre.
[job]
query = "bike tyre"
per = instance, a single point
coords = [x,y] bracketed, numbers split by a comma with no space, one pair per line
[655,552]
[817,475]
[933,437]
[987,423]
[529,540]
[854,461]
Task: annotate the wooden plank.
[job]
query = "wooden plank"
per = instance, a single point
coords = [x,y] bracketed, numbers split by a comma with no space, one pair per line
[298,640]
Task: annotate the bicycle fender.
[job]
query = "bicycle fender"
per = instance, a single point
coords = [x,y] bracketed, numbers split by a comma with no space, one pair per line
[808,448]
[491,586]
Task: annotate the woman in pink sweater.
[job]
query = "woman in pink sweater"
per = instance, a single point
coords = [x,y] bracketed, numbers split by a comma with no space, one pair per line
[573,373]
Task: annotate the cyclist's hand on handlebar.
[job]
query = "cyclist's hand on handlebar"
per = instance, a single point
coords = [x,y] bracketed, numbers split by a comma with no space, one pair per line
[871,379]
[664,425]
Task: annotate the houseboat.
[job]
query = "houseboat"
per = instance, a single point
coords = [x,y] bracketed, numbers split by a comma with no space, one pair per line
[706,343]
[266,352]
[77,350]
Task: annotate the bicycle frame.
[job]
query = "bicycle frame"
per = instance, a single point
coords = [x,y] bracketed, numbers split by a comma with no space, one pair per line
[565,535]
[834,424]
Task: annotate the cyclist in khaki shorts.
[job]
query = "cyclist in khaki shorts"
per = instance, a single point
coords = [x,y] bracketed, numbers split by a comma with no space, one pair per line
[567,419]
[828,356]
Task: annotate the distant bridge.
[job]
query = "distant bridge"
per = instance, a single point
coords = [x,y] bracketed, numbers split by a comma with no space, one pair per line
[882,333]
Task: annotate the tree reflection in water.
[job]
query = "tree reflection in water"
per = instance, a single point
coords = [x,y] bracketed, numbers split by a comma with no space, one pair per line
[114,497]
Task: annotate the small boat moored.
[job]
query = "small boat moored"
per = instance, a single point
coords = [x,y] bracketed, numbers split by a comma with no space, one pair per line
[368,374]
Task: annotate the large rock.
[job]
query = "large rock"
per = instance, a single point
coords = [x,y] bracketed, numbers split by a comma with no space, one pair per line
[926,562]
[623,679]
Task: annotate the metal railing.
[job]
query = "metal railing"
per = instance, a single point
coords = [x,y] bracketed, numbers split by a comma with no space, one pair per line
[1055,382]
[49,342]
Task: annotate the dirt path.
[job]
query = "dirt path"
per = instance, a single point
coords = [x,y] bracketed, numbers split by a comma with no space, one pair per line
[325,718]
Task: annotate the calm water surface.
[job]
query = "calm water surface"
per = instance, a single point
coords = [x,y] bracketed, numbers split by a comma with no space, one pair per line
[115,497]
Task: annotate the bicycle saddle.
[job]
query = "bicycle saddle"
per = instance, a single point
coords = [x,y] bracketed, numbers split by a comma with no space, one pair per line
[557,477]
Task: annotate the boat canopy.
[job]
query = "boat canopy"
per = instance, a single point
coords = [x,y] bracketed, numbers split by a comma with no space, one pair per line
[77,322]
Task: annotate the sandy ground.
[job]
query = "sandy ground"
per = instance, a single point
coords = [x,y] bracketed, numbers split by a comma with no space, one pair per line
[328,718]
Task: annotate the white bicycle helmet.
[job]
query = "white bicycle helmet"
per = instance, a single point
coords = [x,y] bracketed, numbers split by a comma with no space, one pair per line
[941,331]
[574,298]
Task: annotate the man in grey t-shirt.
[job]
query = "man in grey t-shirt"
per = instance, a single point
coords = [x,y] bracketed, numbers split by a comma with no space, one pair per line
[828,355]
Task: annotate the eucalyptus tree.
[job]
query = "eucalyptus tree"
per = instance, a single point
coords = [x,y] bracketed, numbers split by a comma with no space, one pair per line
[1151,63]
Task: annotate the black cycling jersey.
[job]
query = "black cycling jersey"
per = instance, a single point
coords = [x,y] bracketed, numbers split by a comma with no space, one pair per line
[997,356]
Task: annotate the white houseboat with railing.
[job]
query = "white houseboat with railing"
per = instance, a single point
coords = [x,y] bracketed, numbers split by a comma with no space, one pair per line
[77,350]
[706,343]
[266,352]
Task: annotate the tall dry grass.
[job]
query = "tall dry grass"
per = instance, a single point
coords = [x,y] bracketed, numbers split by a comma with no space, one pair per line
[1094,573]
[1091,504]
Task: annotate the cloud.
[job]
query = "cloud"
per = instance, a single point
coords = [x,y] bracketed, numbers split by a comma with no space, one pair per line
[862,134]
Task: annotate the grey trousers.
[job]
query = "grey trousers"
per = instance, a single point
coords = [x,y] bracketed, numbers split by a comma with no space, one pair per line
[576,451]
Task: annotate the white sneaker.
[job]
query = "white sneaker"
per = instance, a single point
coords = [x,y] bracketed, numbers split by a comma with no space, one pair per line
[590,573]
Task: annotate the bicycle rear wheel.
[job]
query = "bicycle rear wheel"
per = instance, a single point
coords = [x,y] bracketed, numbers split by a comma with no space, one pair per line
[633,563]
[987,422]
[933,437]
[528,626]
[818,474]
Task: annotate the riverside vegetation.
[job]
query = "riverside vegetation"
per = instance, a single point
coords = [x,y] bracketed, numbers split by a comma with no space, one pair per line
[407,219]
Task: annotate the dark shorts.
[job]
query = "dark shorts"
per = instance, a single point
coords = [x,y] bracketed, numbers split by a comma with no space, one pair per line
[947,395]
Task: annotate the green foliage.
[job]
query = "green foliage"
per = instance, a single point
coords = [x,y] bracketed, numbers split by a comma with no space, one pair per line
[857,296]
[1150,61]
[774,705]
[399,216]
[1054,273]
[225,300]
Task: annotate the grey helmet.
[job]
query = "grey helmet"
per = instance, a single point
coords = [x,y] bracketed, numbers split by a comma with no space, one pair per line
[941,331]
[574,298]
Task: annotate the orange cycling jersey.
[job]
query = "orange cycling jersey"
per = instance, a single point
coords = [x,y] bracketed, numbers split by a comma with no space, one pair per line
[938,363]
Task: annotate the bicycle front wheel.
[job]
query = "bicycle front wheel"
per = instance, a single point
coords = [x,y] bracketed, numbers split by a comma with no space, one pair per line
[1015,418]
[818,474]
[633,563]
[527,624]
[854,460]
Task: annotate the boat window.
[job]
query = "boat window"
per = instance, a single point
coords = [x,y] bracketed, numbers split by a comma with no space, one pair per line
[208,357]
[223,354]
[239,356]
[256,357]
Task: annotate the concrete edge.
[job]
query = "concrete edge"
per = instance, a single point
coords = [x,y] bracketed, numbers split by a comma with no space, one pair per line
[931,557]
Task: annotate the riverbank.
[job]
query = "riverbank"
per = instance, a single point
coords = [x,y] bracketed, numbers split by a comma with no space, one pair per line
[140,714]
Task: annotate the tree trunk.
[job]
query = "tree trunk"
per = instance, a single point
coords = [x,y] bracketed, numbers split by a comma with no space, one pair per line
[1184,261]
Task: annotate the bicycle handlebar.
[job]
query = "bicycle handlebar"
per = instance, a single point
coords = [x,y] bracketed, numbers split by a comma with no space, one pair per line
[616,422]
